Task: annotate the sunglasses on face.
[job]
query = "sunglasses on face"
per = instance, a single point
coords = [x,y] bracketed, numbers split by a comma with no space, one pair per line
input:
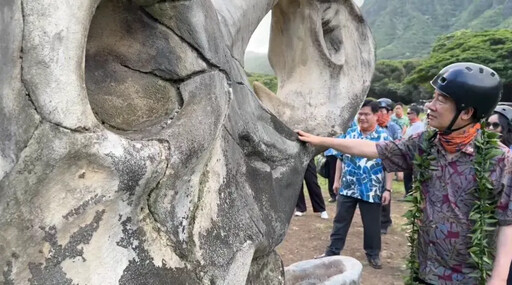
[494,125]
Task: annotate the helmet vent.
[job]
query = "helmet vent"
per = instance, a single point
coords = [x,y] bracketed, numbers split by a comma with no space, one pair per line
[442,80]
[481,70]
[469,69]
[493,74]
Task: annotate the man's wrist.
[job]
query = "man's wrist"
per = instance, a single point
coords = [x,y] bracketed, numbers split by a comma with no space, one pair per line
[387,189]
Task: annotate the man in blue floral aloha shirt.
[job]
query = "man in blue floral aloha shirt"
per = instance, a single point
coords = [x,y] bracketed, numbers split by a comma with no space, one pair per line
[362,183]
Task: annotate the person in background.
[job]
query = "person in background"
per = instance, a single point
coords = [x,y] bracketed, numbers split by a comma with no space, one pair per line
[315,194]
[361,184]
[403,122]
[330,168]
[501,122]
[399,118]
[417,126]
[386,107]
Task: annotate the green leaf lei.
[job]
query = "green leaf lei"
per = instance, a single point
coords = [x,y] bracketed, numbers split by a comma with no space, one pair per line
[482,214]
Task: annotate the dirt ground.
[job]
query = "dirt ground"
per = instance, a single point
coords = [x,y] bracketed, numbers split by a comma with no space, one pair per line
[308,236]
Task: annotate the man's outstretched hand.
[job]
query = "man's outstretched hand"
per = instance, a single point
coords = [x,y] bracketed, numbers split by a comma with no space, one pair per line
[308,138]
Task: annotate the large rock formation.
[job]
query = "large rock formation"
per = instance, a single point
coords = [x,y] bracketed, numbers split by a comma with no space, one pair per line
[133,150]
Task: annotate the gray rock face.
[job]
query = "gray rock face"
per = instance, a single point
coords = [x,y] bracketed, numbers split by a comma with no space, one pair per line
[328,71]
[17,115]
[133,150]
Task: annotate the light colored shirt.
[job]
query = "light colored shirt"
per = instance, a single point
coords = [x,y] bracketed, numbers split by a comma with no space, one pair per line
[393,131]
[402,122]
[415,128]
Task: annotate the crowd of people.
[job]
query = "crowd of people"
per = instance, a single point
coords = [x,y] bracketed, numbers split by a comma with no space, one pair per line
[383,142]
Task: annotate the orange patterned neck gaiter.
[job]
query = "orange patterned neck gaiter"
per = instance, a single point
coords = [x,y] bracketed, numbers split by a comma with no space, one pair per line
[456,142]
[383,119]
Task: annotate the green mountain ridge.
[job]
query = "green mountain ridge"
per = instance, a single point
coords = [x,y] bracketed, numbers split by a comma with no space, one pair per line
[405,29]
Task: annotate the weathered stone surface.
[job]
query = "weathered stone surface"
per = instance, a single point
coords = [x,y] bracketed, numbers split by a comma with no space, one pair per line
[157,164]
[132,38]
[198,24]
[331,67]
[333,270]
[17,116]
[65,201]
[54,36]
[266,270]
[129,100]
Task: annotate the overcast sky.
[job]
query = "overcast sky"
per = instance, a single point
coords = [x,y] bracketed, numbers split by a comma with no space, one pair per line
[259,40]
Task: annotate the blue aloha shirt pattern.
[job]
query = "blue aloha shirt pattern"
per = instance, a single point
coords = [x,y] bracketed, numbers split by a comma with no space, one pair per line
[363,178]
[332,151]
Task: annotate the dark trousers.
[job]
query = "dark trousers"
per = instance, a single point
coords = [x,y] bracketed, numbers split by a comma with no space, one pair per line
[370,215]
[386,221]
[315,193]
[407,182]
[330,168]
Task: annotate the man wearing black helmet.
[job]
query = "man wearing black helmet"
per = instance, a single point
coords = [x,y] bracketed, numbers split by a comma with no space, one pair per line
[451,180]
[386,107]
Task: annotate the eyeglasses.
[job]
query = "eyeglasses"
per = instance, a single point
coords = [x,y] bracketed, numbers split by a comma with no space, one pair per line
[493,125]
[410,113]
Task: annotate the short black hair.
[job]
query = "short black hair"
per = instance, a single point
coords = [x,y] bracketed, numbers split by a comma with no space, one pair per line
[416,109]
[374,105]
[399,104]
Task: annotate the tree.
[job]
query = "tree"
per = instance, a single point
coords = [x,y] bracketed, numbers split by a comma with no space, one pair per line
[388,81]
[490,48]
[270,81]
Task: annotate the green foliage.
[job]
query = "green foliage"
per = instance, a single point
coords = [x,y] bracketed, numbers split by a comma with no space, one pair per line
[423,164]
[490,48]
[388,81]
[408,80]
[270,81]
[482,214]
[405,29]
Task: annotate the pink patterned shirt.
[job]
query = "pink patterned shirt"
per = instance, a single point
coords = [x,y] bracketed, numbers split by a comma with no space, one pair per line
[444,232]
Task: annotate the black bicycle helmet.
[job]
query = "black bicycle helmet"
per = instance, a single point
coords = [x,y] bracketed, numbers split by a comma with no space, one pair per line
[469,85]
[505,111]
[386,103]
